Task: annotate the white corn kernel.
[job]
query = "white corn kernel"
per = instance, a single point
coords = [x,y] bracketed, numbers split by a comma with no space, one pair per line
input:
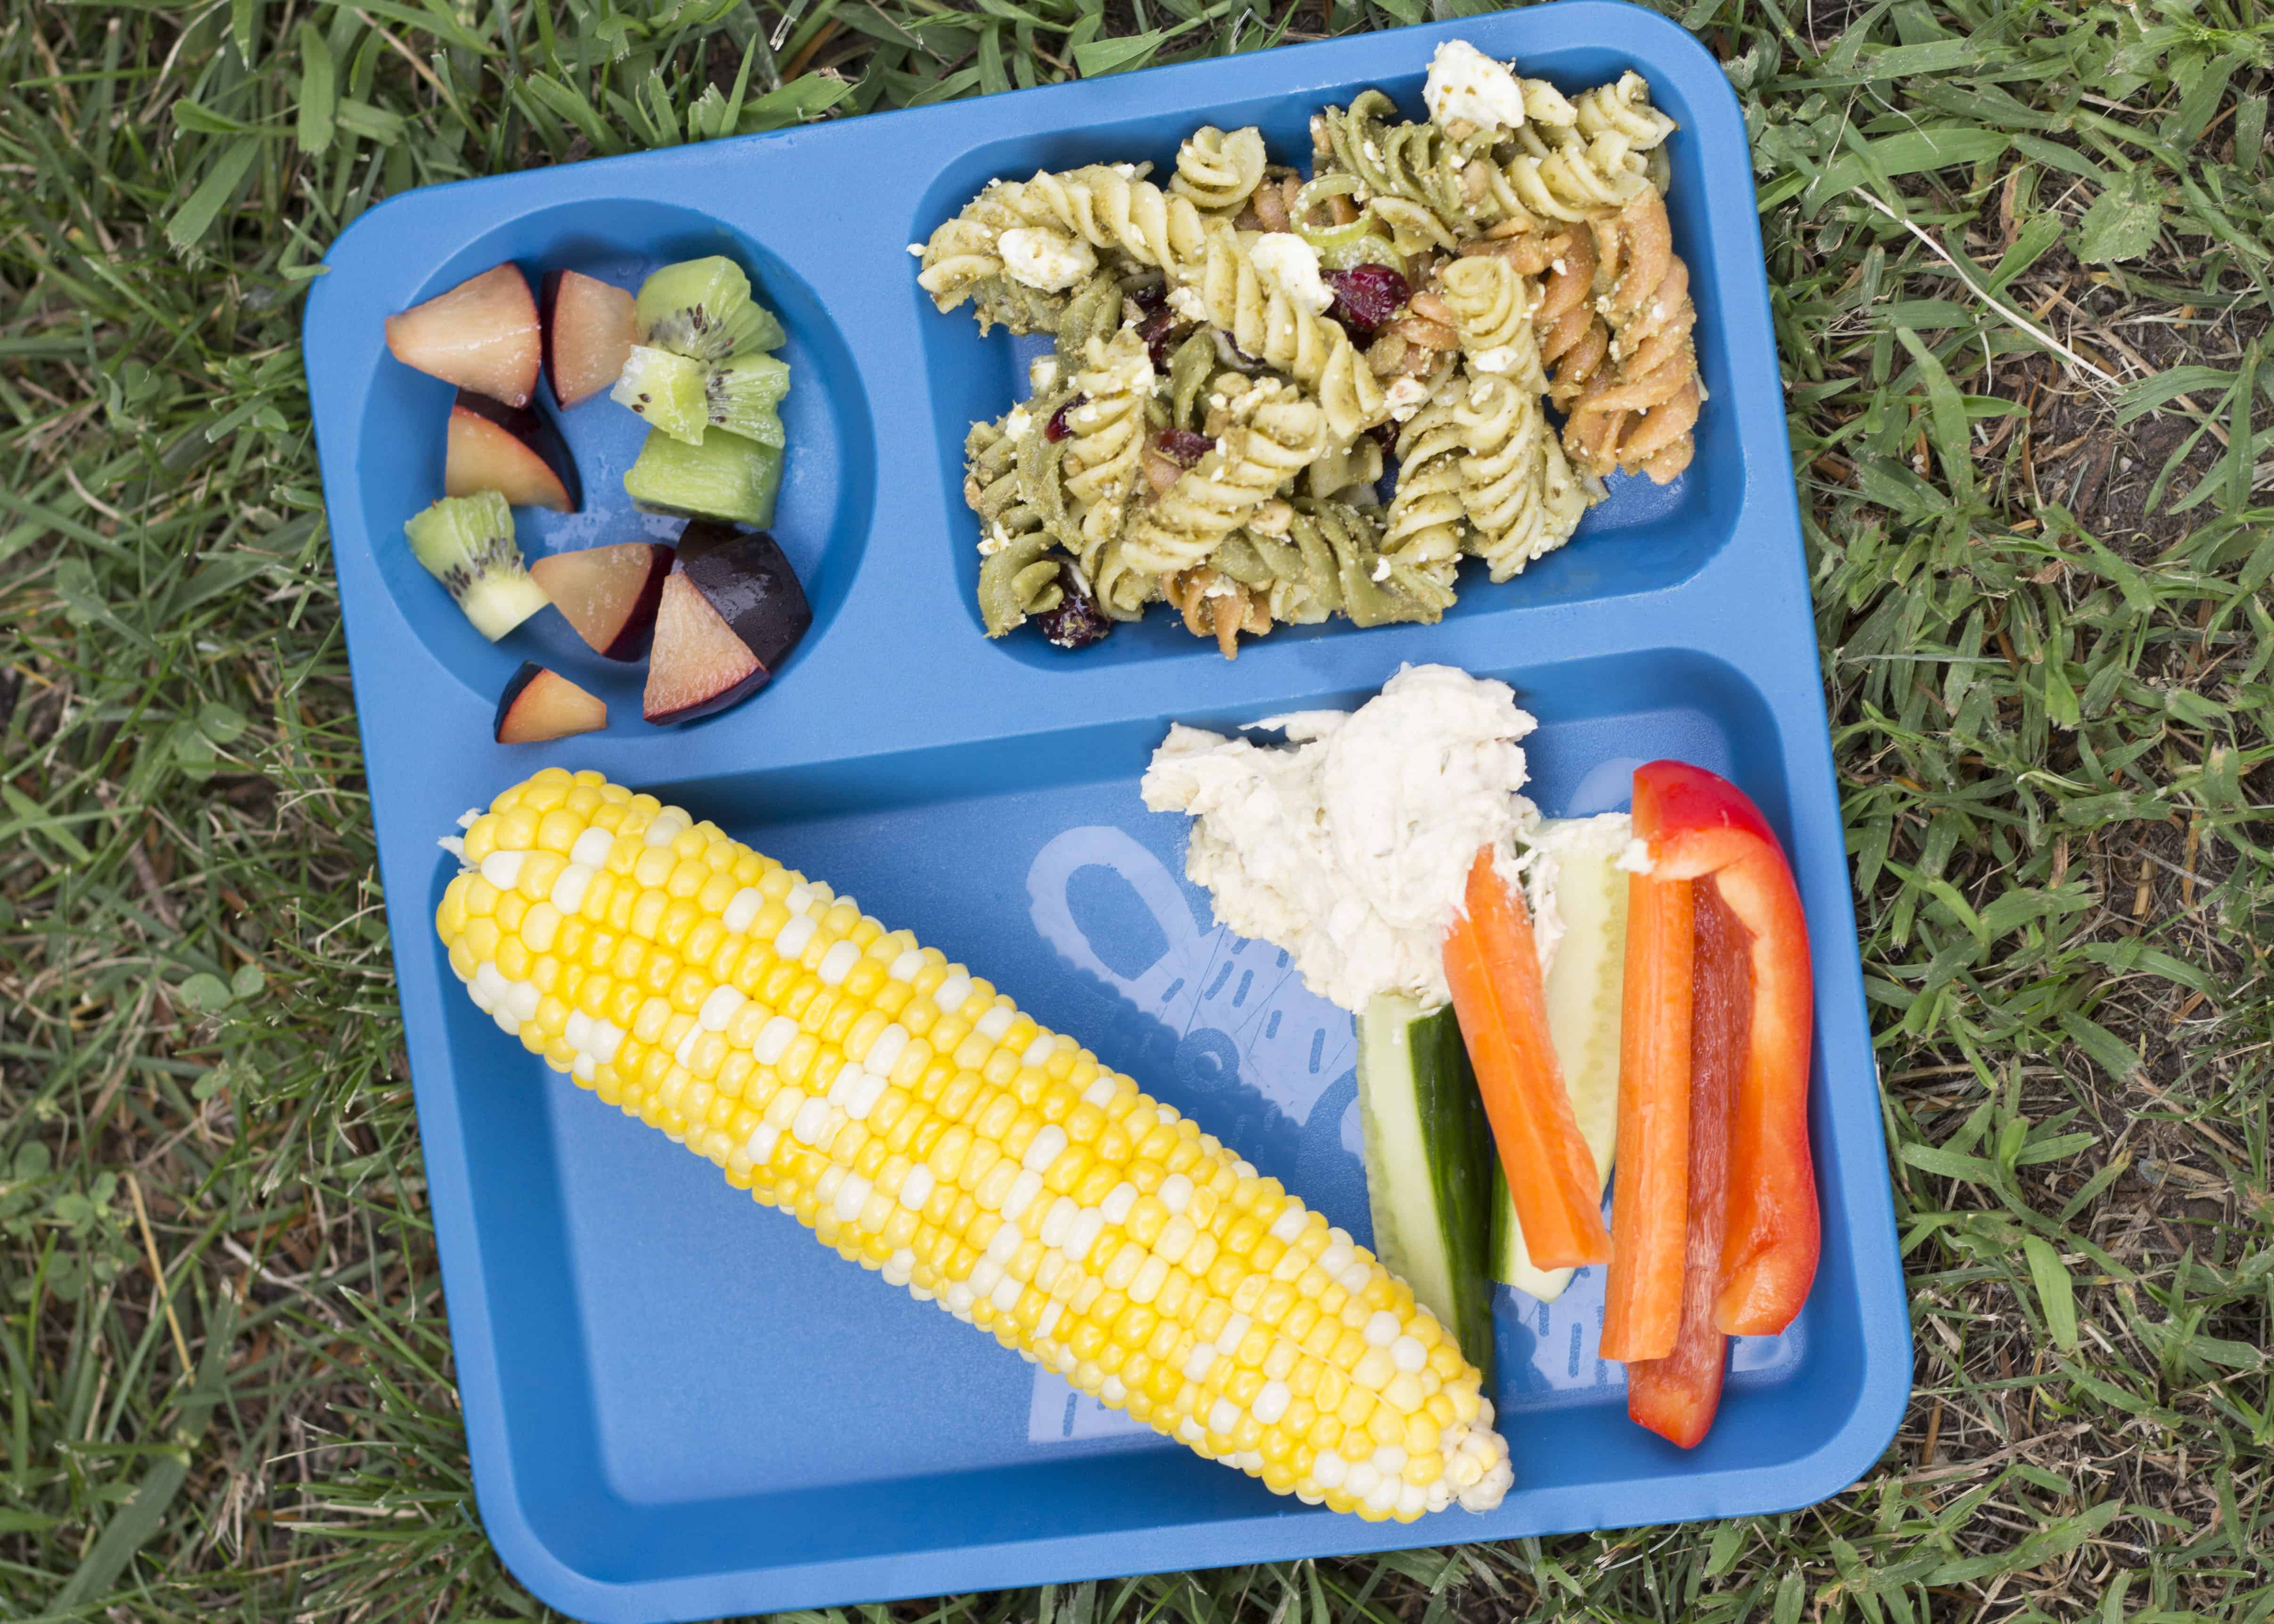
[812,1121]
[1390,1460]
[1008,1238]
[524,1000]
[995,1023]
[1117,1202]
[1039,1051]
[885,1052]
[1289,1224]
[592,847]
[852,1196]
[837,963]
[502,869]
[1084,1235]
[773,1038]
[790,941]
[725,998]
[1176,1193]
[917,1187]
[488,985]
[799,900]
[669,825]
[1057,1221]
[569,890]
[1200,1361]
[1271,1402]
[759,1148]
[1381,1329]
[578,1029]
[1046,1147]
[1224,1415]
[1329,1471]
[1408,1354]
[905,967]
[864,1097]
[1006,1295]
[1101,1092]
[1024,1189]
[953,994]
[742,910]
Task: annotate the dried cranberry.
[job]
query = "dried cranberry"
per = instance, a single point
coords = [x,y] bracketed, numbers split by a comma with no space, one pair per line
[1058,428]
[1366,296]
[1182,447]
[1157,330]
[1149,297]
[1077,622]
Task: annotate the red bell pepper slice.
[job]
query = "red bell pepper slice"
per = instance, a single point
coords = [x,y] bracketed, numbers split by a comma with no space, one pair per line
[1676,1396]
[1701,828]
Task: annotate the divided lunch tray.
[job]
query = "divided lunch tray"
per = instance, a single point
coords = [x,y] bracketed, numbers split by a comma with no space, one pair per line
[679,1405]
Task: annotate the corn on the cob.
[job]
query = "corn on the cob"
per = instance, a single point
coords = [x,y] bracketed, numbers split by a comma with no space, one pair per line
[915,1121]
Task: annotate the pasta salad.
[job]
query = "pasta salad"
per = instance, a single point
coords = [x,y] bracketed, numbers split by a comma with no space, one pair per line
[1239,354]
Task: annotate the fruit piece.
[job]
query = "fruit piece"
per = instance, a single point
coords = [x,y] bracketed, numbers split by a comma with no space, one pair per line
[1366,296]
[745,578]
[1575,871]
[608,594]
[509,449]
[1428,1164]
[482,335]
[466,543]
[588,331]
[1077,622]
[540,704]
[1643,1290]
[1676,1396]
[741,392]
[698,665]
[1492,965]
[664,388]
[725,477]
[702,308]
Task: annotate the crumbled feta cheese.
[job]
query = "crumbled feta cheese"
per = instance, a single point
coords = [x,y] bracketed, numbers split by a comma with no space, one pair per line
[1018,422]
[1041,374]
[917,249]
[1287,259]
[1405,397]
[1465,83]
[1500,358]
[1045,260]
[1187,303]
[995,540]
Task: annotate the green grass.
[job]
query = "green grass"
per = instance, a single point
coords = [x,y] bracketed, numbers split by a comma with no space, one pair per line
[2023,271]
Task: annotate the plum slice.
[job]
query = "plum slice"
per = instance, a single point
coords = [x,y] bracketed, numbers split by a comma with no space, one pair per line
[698,665]
[510,449]
[482,335]
[540,704]
[589,326]
[608,594]
[745,578]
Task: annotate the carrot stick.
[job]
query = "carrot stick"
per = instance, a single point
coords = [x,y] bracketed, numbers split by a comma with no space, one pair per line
[1642,1310]
[1493,966]
[1676,1396]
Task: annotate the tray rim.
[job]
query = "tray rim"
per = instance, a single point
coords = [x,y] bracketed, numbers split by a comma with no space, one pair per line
[1807,767]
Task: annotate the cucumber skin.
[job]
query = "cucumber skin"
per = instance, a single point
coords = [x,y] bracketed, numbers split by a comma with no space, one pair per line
[1456,1149]
[1461,1165]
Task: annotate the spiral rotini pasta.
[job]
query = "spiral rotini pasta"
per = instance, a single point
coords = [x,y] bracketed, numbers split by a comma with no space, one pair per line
[1234,343]
[1219,171]
[1267,434]
[1521,497]
[1636,416]
[1428,525]
[1106,430]
[1493,305]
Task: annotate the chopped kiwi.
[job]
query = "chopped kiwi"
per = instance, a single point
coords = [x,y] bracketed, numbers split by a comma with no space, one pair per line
[741,392]
[727,476]
[664,388]
[703,309]
[466,543]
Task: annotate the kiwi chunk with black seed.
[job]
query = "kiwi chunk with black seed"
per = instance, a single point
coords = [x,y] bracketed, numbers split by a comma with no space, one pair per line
[467,543]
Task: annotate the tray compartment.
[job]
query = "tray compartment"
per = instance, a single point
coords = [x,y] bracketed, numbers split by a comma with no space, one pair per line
[670,1327]
[828,475]
[1645,537]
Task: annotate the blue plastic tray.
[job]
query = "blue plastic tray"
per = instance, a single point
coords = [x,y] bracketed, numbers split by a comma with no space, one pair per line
[677,1404]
